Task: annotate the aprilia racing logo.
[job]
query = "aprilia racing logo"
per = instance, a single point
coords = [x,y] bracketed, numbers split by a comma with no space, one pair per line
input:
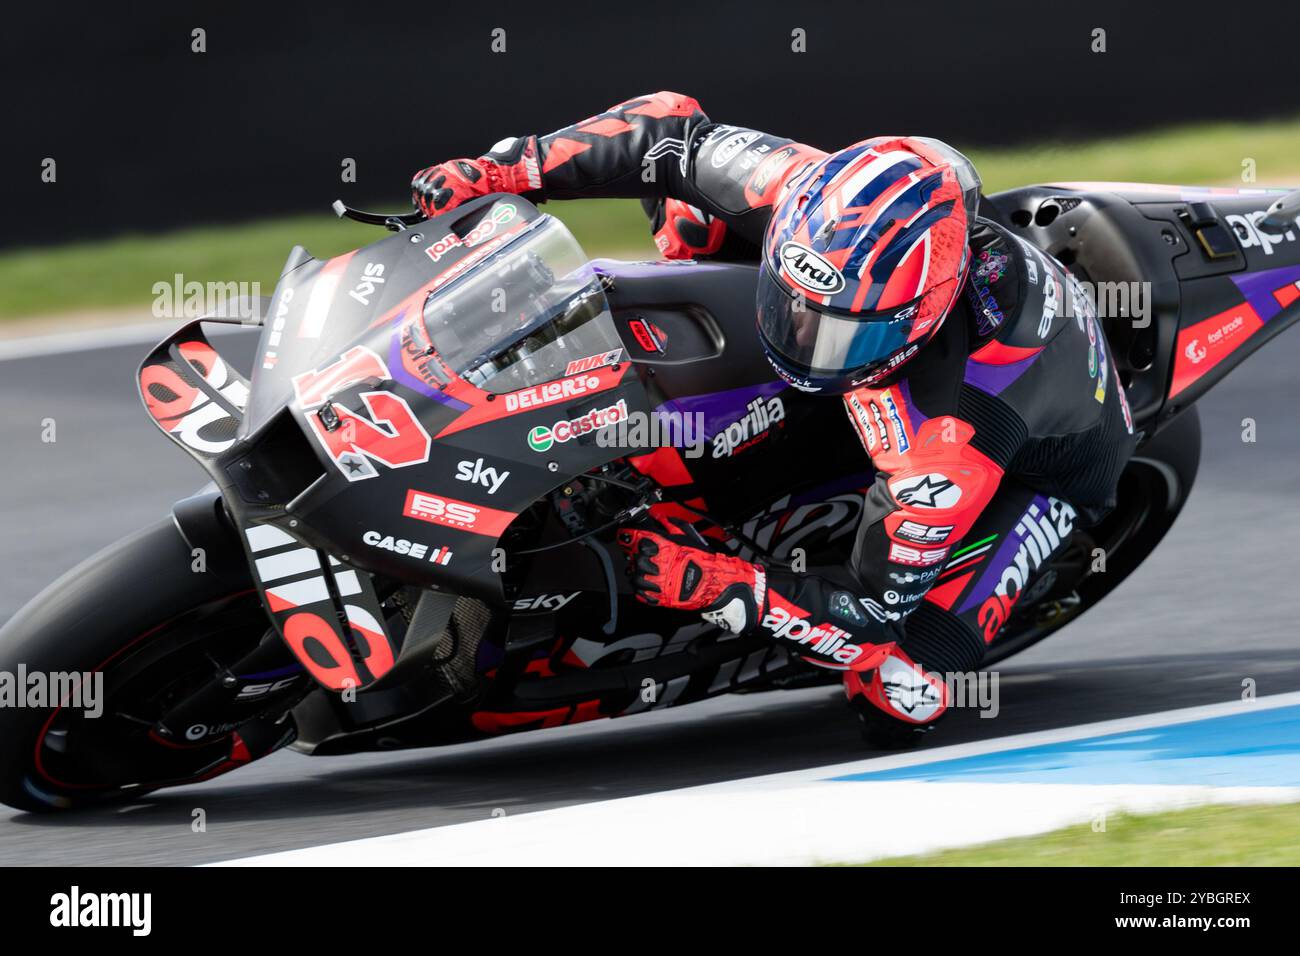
[760,415]
[1040,535]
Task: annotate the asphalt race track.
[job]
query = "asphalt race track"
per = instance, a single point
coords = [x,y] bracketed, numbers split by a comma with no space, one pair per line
[1217,604]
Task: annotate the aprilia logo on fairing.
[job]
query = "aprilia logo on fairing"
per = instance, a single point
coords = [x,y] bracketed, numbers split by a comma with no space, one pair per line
[825,639]
[1040,536]
[1251,236]
[544,602]
[372,278]
[810,271]
[473,471]
[760,415]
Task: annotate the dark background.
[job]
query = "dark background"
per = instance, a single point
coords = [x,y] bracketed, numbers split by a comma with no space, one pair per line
[149,136]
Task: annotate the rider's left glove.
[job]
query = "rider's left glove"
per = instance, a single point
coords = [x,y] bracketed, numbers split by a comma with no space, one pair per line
[511,167]
[676,569]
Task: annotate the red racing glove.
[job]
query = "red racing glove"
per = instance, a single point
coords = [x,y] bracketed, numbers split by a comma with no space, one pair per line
[676,569]
[684,232]
[448,185]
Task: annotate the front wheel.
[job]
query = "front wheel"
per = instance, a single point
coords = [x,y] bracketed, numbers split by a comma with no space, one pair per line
[104,652]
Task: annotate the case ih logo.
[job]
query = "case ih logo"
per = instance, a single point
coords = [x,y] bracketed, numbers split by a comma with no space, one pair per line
[461,515]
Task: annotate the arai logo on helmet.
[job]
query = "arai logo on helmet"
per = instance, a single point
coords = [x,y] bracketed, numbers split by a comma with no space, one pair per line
[810,271]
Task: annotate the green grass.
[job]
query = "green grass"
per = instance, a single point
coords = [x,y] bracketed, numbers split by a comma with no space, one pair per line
[121,272]
[1201,836]
[1188,155]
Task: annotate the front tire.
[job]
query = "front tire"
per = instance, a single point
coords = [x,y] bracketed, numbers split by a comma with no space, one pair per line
[141,621]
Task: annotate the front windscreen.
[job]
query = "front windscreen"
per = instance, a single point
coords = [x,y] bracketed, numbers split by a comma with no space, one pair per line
[521,316]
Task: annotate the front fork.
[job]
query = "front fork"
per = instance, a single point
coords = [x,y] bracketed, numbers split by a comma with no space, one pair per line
[267,681]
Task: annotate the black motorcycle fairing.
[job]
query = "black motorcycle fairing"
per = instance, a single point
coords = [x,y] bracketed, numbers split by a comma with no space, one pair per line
[1211,284]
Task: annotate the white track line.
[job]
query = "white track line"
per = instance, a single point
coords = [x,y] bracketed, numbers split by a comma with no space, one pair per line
[798,817]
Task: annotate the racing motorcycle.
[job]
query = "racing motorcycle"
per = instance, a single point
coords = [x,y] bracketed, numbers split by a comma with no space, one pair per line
[408,534]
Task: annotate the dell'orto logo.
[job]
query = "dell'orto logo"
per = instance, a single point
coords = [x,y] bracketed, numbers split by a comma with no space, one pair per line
[810,271]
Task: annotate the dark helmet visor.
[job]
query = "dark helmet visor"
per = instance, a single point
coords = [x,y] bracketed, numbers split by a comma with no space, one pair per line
[823,344]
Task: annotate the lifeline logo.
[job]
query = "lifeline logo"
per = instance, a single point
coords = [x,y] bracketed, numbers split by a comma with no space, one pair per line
[75,909]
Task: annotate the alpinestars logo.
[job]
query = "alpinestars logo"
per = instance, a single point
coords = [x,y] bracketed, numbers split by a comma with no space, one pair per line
[824,639]
[760,415]
[926,491]
[1040,536]
[908,691]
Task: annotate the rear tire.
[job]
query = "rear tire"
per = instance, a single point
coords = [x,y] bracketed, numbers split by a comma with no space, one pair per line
[137,613]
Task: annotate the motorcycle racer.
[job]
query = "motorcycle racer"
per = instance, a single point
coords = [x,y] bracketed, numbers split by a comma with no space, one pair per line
[971,364]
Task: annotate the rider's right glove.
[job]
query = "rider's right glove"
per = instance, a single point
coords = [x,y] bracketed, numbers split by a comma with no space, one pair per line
[511,167]
[676,569]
